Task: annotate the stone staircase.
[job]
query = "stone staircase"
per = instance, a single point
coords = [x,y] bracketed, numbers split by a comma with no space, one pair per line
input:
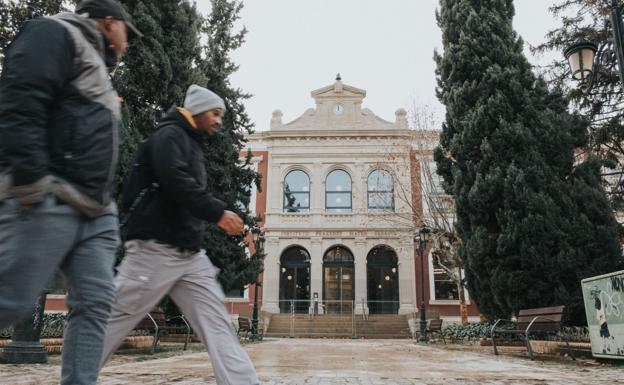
[339,326]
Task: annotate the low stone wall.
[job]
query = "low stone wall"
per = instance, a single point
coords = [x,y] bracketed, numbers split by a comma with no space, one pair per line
[55,345]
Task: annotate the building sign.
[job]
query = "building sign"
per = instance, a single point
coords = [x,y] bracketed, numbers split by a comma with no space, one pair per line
[604,305]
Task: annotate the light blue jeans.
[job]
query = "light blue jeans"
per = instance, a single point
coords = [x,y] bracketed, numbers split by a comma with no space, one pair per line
[33,244]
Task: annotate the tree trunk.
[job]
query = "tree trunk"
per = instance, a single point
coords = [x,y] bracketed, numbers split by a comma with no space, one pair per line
[463,308]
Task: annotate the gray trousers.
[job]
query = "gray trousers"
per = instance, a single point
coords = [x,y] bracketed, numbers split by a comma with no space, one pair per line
[151,270]
[33,244]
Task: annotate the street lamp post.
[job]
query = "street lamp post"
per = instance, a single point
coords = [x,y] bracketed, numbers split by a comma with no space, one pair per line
[586,59]
[258,240]
[25,347]
[423,236]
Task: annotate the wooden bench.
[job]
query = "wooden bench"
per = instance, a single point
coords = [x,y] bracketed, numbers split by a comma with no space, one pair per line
[540,321]
[157,323]
[245,326]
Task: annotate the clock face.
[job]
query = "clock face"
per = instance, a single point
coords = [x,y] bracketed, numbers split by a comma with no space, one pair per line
[338,108]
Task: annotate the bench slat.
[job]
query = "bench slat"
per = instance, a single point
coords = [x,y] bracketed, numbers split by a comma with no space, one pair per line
[542,310]
[542,318]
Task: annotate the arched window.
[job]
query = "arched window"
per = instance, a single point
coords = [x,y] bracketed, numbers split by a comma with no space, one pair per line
[338,255]
[338,192]
[297,192]
[295,256]
[380,191]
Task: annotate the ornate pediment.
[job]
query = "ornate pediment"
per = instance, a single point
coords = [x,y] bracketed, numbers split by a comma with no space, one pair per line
[338,107]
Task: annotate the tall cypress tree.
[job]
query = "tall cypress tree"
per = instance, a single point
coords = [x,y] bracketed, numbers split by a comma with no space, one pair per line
[533,219]
[229,178]
[157,68]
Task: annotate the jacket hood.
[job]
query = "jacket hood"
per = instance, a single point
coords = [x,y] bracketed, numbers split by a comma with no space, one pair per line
[87,26]
[175,117]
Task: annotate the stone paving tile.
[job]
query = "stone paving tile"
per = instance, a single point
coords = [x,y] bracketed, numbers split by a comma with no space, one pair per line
[343,362]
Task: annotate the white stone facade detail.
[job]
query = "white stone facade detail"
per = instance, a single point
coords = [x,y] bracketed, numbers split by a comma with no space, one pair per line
[337,135]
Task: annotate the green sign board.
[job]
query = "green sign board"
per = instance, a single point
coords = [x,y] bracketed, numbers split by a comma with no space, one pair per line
[604,305]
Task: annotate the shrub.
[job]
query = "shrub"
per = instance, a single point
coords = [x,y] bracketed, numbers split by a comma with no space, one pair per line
[53,326]
[472,331]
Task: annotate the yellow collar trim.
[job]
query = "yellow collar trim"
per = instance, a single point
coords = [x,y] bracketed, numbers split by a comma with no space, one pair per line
[187,115]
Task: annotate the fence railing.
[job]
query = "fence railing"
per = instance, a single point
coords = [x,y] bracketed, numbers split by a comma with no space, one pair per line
[314,308]
[308,306]
[383,307]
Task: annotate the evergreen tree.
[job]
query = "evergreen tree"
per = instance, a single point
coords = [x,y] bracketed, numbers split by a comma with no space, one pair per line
[534,220]
[14,13]
[229,179]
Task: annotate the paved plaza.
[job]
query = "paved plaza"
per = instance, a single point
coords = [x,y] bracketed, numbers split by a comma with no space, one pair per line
[333,362]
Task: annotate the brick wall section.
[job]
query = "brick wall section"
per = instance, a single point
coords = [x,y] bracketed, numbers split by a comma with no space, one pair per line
[444,310]
[416,182]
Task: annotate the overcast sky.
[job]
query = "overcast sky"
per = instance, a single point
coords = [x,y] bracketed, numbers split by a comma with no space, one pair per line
[382,46]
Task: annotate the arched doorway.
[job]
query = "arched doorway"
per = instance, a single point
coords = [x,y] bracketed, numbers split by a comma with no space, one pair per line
[295,280]
[383,280]
[338,280]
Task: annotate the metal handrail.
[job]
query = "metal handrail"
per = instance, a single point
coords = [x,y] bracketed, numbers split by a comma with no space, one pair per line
[346,306]
[292,319]
[353,333]
[306,306]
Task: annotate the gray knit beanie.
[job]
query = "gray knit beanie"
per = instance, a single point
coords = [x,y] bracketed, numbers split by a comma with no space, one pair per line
[199,99]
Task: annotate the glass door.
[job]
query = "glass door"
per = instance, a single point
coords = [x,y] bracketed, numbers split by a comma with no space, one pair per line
[339,289]
[383,290]
[295,285]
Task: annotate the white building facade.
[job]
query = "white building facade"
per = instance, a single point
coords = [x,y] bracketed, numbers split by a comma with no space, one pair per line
[333,223]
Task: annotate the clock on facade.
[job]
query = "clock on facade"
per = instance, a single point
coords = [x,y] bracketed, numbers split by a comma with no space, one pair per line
[338,108]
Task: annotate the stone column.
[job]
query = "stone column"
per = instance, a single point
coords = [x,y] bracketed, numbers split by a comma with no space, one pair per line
[359,189]
[317,188]
[407,278]
[270,284]
[274,192]
[316,268]
[361,284]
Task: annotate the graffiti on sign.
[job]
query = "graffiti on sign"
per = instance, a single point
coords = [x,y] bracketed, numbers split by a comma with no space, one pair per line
[604,307]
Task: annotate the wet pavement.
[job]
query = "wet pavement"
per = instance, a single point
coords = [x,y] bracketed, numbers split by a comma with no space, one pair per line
[334,362]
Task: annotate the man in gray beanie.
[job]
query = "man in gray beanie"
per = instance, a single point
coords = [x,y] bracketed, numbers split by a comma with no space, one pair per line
[166,207]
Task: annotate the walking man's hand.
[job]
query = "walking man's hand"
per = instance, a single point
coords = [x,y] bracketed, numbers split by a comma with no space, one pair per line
[231,223]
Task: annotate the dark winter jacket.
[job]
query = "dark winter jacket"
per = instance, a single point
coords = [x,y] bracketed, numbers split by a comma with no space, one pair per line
[175,211]
[59,115]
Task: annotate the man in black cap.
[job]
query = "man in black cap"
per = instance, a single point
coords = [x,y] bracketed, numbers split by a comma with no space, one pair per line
[59,144]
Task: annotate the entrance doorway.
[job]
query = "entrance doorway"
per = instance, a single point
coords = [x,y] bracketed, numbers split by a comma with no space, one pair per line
[338,280]
[295,280]
[383,281]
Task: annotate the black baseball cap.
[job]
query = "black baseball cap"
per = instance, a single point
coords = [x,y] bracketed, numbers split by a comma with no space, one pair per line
[99,9]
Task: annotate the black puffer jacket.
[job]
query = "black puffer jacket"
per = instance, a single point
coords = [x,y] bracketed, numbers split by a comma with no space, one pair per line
[59,115]
[173,213]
